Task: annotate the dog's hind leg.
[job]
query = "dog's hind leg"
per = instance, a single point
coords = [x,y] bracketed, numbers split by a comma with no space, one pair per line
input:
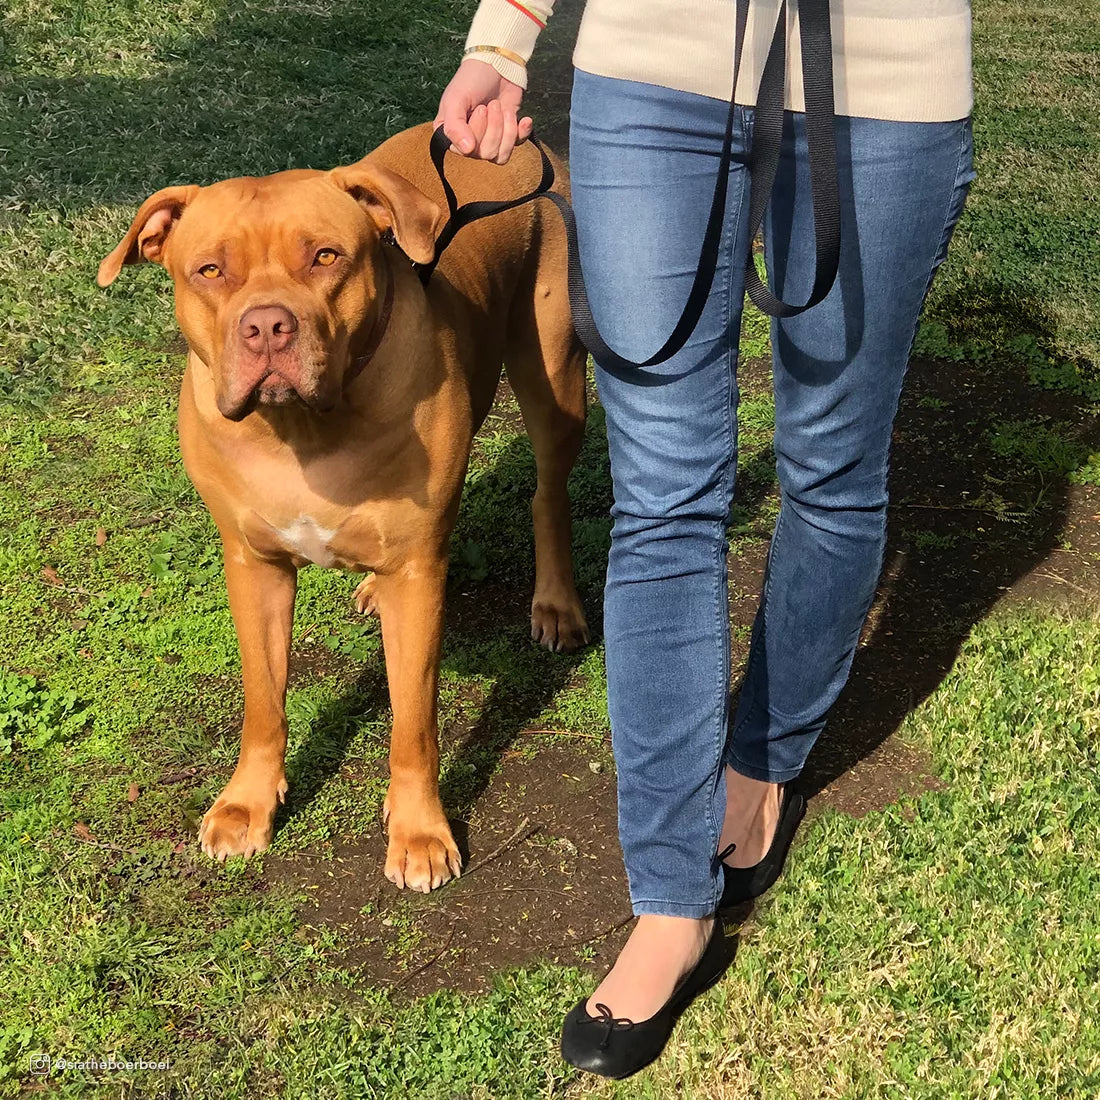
[545,364]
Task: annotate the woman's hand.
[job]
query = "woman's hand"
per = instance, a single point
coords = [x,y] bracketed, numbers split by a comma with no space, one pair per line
[479,110]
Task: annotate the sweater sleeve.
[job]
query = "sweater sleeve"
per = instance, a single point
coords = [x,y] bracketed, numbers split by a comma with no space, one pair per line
[511,25]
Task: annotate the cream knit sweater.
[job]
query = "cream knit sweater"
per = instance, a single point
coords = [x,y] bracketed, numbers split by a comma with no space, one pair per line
[905,60]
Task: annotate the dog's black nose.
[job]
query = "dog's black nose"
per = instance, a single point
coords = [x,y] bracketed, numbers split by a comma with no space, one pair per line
[268,328]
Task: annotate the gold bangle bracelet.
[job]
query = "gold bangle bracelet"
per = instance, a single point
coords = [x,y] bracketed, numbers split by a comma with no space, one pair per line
[508,55]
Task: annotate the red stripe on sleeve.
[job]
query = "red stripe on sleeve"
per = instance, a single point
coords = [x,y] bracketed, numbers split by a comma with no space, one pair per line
[528,12]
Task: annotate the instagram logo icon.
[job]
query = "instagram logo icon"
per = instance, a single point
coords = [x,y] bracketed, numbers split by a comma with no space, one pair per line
[40,1063]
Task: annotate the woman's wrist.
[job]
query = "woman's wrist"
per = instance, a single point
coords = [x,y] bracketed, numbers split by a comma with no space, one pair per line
[507,63]
[503,33]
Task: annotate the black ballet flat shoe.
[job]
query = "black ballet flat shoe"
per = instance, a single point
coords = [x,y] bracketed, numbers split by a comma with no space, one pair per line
[741,884]
[618,1047]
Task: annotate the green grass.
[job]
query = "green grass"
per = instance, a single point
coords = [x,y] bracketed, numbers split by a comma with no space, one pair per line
[947,946]
[1024,279]
[1043,447]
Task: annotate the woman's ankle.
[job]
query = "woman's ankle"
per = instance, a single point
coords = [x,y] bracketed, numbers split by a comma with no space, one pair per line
[752,814]
[660,951]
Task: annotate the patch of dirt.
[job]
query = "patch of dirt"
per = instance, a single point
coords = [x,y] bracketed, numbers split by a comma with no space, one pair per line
[543,880]
[486,607]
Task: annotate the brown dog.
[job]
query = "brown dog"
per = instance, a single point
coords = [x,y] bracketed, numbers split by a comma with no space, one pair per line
[326,416]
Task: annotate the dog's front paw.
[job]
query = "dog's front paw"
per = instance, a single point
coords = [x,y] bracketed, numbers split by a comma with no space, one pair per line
[422,854]
[558,625]
[240,822]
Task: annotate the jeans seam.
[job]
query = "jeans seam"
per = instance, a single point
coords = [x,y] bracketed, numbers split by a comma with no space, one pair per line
[784,775]
[704,908]
[721,609]
[967,141]
[755,653]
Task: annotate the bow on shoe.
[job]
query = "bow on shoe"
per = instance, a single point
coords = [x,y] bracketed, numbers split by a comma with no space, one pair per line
[719,859]
[622,1023]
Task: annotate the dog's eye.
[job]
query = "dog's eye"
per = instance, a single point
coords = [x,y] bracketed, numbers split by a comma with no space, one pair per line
[210,271]
[326,257]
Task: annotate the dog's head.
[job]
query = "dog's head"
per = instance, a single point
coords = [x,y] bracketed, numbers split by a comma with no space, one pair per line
[279,279]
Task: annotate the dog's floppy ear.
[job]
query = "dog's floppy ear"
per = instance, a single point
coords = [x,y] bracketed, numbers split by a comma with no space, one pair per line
[393,203]
[148,232]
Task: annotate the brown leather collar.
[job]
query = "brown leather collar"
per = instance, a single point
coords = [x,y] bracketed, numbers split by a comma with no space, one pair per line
[379,331]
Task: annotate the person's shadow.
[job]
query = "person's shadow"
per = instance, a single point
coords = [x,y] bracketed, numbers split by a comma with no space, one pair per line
[980,499]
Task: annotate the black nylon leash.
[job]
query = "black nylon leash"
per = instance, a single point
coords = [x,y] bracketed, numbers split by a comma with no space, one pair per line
[817,66]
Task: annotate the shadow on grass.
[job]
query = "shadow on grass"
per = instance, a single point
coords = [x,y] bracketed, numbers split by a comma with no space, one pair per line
[489,618]
[969,520]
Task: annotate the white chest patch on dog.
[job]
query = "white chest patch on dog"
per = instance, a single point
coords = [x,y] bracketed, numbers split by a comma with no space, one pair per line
[306,538]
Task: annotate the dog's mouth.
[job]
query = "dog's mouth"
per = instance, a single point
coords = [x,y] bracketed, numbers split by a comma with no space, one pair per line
[272,390]
[275,390]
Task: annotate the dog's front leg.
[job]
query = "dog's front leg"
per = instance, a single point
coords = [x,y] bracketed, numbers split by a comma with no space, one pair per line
[422,853]
[261,597]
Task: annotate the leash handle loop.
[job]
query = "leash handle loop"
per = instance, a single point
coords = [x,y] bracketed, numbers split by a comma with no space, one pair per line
[473,211]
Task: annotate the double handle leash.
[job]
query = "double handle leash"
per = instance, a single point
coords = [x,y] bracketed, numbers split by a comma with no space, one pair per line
[817,76]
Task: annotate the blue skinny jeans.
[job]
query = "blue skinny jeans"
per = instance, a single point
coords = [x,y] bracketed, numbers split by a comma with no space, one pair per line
[643,161]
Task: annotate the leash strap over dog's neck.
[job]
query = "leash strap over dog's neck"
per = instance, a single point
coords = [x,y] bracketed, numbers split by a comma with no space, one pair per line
[817,65]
